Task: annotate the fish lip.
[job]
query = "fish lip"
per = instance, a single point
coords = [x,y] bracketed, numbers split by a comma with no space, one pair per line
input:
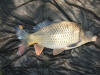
[95,38]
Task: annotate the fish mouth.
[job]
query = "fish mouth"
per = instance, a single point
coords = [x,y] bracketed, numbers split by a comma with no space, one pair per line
[94,38]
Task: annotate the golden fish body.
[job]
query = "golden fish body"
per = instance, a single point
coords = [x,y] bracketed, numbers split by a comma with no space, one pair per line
[64,35]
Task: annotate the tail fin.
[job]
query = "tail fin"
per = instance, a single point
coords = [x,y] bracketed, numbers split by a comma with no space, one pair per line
[21,33]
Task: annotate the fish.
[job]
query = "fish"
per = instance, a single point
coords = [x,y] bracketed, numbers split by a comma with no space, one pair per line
[60,36]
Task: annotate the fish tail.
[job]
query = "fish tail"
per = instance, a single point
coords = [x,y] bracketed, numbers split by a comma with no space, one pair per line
[21,33]
[22,48]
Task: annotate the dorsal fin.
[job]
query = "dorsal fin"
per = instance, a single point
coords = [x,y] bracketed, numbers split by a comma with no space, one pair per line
[41,25]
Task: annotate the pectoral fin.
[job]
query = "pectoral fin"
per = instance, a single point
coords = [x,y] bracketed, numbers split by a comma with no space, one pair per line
[74,44]
[57,51]
[38,49]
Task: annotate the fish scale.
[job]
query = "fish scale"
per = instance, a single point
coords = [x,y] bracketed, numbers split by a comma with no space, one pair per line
[58,35]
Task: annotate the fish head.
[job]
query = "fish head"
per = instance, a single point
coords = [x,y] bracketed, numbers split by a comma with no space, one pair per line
[95,39]
[90,36]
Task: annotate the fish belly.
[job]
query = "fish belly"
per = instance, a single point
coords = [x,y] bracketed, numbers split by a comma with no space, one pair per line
[59,40]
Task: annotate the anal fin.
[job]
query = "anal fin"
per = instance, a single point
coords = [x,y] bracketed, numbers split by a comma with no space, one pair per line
[38,49]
